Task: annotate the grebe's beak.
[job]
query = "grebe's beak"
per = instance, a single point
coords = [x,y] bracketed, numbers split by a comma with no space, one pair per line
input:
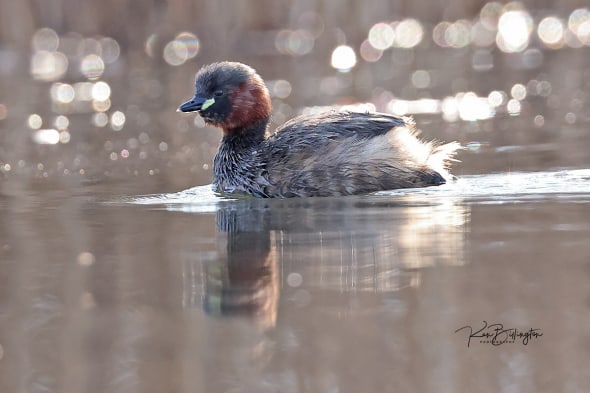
[195,104]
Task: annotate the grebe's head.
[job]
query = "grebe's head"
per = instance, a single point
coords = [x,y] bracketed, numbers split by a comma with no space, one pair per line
[229,95]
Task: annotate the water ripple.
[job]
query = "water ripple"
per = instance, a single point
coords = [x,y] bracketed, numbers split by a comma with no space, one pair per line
[510,187]
[499,188]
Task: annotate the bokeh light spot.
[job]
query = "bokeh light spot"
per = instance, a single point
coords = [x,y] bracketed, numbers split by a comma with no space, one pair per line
[489,15]
[294,42]
[408,33]
[150,46]
[101,106]
[45,39]
[48,66]
[577,21]
[34,121]
[92,66]
[514,29]
[369,53]
[294,280]
[64,137]
[190,42]
[403,107]
[439,34]
[471,107]
[117,120]
[343,58]
[86,258]
[450,109]
[570,118]
[381,36]
[46,137]
[544,88]
[62,93]
[144,137]
[185,46]
[61,122]
[539,121]
[110,50]
[175,53]
[458,34]
[584,32]
[496,98]
[100,119]
[420,79]
[101,91]
[280,89]
[551,32]
[513,107]
[518,92]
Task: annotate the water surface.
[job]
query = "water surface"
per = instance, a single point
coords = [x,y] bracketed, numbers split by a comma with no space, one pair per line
[192,292]
[121,271]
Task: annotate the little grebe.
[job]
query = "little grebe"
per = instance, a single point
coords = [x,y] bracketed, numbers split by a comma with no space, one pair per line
[333,153]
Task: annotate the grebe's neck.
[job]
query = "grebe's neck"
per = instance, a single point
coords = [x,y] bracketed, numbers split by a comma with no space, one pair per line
[240,138]
[236,167]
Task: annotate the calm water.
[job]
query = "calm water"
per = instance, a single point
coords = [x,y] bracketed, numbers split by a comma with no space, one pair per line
[113,279]
[189,292]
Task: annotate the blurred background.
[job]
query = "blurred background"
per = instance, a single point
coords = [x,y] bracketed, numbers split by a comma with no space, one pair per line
[191,292]
[88,90]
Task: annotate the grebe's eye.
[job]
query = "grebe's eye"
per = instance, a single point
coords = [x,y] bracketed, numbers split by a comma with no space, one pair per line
[218,93]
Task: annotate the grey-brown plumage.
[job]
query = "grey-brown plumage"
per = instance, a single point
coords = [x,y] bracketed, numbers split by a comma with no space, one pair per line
[334,153]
